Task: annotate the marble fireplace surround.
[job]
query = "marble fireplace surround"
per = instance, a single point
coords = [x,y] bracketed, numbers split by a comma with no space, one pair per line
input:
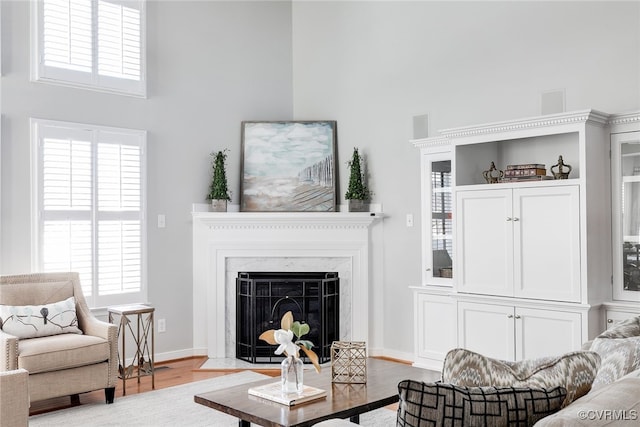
[228,242]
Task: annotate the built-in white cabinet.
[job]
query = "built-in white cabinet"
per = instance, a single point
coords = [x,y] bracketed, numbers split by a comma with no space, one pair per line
[435,313]
[625,194]
[513,332]
[437,218]
[522,242]
[531,260]
[615,316]
[435,327]
[625,159]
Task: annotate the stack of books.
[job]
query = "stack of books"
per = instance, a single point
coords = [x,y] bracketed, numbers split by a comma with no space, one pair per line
[525,172]
[273,391]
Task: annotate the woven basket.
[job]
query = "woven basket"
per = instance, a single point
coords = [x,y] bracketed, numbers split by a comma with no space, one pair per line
[349,362]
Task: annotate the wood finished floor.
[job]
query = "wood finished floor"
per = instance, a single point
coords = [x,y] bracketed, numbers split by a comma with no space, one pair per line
[168,374]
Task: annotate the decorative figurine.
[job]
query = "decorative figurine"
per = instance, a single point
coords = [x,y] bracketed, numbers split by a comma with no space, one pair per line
[493,175]
[560,173]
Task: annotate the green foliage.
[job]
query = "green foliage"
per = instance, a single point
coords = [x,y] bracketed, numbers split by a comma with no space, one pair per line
[300,329]
[308,344]
[218,189]
[357,189]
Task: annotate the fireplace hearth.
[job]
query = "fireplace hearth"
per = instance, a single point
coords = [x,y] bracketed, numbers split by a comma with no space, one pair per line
[262,298]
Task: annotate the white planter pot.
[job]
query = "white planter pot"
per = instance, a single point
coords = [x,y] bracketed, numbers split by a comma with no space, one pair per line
[358,206]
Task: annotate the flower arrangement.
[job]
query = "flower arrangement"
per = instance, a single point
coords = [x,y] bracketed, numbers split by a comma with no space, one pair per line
[283,337]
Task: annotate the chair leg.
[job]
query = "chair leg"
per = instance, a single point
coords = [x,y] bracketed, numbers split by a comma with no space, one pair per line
[109,394]
[75,399]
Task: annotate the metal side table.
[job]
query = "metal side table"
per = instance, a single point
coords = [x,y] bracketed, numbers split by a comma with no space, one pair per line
[143,337]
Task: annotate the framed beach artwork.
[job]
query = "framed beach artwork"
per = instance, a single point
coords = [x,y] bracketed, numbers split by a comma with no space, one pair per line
[288,166]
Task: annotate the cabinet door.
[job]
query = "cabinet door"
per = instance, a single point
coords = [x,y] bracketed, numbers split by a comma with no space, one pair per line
[614,317]
[487,329]
[437,219]
[541,333]
[625,159]
[546,229]
[436,331]
[484,242]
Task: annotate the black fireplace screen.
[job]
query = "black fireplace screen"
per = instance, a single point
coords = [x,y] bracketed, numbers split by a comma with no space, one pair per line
[263,298]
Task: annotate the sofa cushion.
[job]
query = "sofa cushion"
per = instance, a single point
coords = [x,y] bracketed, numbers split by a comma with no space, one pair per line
[58,352]
[574,371]
[29,321]
[619,349]
[610,405]
[619,357]
[428,404]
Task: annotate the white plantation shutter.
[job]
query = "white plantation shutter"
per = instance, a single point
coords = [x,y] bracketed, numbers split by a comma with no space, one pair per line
[67,34]
[91,43]
[119,41]
[91,202]
[119,190]
[66,204]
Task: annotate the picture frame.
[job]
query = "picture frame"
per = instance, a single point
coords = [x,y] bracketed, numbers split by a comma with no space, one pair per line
[288,166]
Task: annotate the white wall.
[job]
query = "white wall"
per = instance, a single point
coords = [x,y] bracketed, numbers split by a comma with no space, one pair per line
[372,66]
[211,65]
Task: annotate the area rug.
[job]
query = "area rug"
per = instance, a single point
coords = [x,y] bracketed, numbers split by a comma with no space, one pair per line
[171,407]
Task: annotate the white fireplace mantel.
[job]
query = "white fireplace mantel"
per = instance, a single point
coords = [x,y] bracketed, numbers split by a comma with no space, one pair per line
[286,241]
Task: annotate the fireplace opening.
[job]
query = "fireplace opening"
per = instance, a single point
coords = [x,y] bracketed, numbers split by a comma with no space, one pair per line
[262,298]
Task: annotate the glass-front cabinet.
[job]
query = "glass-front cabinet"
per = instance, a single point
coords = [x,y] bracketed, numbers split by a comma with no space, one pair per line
[441,236]
[437,218]
[625,156]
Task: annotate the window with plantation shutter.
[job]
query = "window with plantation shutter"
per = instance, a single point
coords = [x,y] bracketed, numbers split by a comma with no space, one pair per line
[97,44]
[90,184]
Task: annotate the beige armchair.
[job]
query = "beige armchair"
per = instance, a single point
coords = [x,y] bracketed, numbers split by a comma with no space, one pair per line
[14,398]
[66,364]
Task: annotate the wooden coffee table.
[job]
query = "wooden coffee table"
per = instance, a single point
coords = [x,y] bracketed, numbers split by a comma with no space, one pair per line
[342,401]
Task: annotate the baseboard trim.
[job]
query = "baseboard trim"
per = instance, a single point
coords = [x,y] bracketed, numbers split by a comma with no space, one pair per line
[174,355]
[400,356]
[192,352]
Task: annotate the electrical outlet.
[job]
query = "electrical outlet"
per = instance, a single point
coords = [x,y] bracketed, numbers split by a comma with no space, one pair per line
[162,325]
[409,220]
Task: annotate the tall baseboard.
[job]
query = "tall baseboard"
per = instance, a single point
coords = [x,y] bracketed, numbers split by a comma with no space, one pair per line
[178,354]
[392,354]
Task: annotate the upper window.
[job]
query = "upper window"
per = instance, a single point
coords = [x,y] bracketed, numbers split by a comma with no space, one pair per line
[89,215]
[98,44]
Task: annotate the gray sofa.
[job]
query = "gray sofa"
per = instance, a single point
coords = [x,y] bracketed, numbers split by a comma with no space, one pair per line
[597,386]
[611,404]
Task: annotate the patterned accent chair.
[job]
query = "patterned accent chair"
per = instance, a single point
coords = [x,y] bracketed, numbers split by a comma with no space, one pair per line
[65,364]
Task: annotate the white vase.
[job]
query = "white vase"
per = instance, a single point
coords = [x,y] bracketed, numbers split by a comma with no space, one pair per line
[291,375]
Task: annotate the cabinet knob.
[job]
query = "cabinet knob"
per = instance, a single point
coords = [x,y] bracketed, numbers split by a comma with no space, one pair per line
[609,320]
[509,218]
[518,316]
[427,269]
[509,316]
[516,219]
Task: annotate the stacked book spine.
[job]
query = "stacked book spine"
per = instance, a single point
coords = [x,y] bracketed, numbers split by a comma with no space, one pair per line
[525,172]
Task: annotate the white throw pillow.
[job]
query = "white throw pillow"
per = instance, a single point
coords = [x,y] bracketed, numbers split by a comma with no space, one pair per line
[30,321]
